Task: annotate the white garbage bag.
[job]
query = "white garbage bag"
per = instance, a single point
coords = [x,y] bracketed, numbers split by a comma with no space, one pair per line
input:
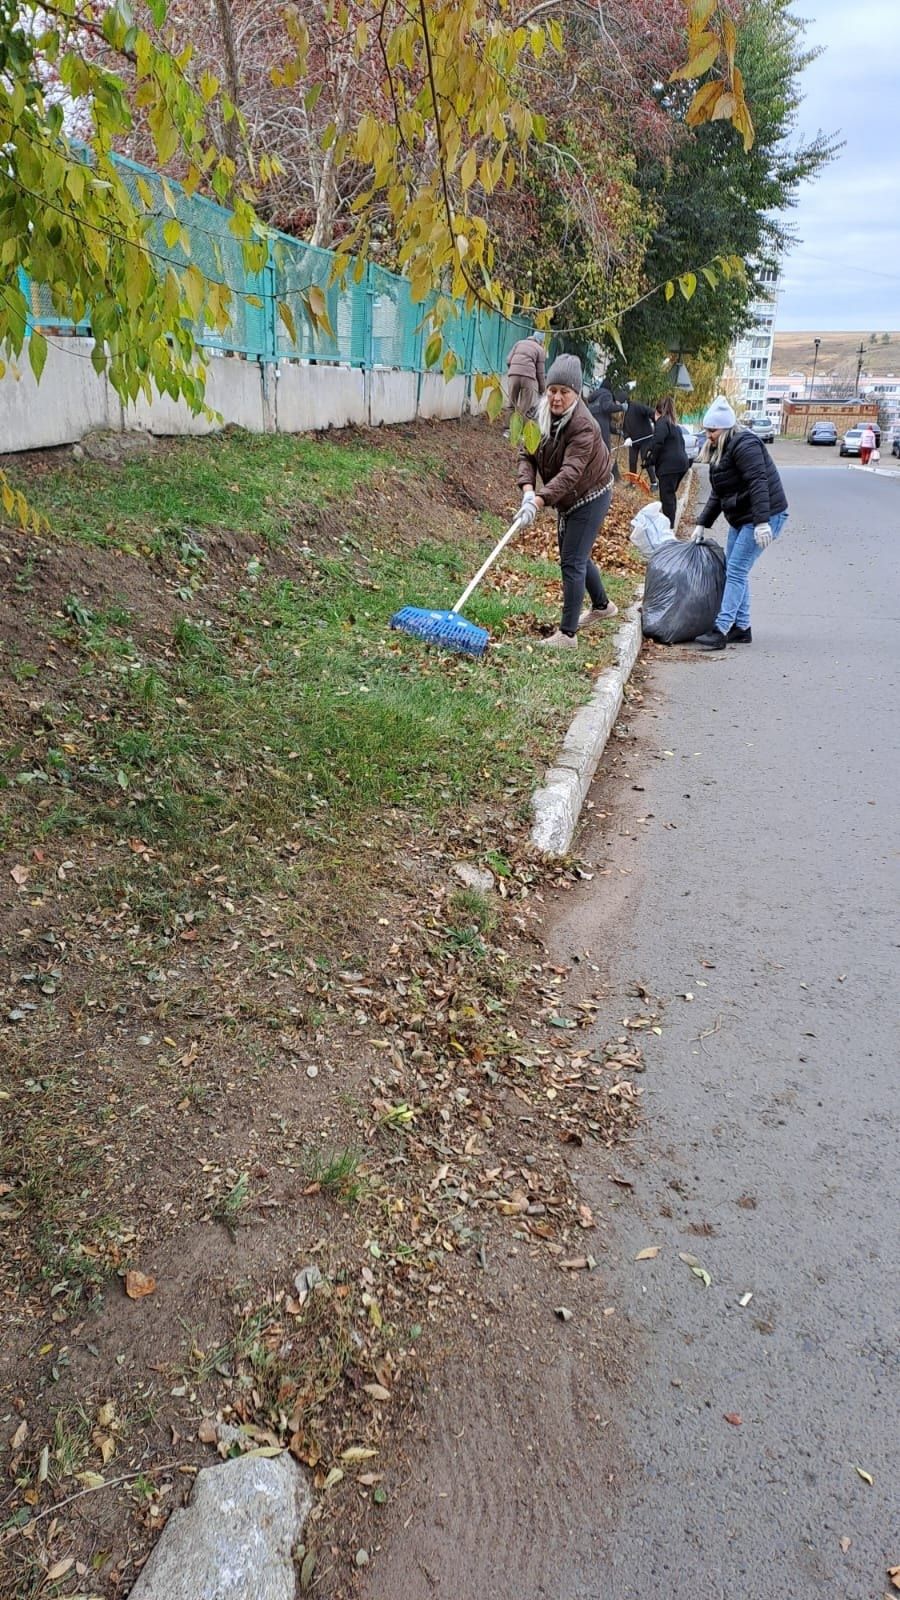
[650,528]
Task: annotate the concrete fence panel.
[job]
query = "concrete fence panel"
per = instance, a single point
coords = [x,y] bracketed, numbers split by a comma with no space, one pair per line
[289,396]
[312,397]
[71,400]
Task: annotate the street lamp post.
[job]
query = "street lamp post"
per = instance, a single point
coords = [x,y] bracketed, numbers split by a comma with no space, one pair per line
[812,386]
[861,352]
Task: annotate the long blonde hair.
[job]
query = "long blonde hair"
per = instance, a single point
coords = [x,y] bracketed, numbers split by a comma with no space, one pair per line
[712,453]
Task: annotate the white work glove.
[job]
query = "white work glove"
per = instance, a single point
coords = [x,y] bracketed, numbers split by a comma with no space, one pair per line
[698,533]
[626,441]
[527,493]
[763,535]
[527,511]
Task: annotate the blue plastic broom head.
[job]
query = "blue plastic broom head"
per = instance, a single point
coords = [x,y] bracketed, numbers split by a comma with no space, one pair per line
[447,629]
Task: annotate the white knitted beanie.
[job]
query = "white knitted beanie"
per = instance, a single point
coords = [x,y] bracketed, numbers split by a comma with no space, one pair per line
[720,414]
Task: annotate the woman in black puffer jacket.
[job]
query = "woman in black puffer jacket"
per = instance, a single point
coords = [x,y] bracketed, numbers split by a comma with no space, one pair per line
[669,456]
[745,486]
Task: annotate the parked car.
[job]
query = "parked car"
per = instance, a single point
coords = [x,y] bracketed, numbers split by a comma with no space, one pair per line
[762,427]
[850,441]
[822,433]
[693,441]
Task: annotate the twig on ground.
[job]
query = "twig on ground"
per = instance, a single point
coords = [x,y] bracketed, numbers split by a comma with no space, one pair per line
[94,1488]
[708,1032]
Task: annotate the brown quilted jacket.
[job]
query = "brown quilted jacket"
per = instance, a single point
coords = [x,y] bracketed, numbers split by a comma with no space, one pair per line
[570,465]
[526,360]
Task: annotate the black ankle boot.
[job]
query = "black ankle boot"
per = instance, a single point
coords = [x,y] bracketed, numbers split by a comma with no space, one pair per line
[738,635]
[714,640]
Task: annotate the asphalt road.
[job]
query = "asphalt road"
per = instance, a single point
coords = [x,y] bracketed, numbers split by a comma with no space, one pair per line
[797,453]
[751,859]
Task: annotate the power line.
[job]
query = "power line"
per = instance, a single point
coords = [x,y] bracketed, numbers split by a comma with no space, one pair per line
[851,266]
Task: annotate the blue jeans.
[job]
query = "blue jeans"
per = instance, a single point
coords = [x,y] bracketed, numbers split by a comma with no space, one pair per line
[741,553]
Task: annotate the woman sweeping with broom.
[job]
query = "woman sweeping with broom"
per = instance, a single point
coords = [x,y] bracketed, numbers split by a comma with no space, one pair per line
[575,470]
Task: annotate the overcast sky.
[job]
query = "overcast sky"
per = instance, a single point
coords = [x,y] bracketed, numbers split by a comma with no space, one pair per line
[846,271]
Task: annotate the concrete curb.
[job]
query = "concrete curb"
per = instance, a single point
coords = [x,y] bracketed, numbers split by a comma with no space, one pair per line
[875,472]
[557,804]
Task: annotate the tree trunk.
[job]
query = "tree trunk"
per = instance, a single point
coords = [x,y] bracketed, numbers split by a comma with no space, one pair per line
[326,202]
[232,81]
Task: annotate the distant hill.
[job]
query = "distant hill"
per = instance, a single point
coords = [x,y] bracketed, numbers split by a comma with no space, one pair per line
[837,353]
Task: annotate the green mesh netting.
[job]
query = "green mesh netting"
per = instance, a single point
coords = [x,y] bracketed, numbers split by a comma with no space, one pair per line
[373,320]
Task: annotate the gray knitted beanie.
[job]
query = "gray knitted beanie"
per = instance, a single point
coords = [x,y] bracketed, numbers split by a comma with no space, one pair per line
[566,371]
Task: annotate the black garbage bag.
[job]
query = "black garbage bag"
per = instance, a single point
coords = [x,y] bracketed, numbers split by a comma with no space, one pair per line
[683,590]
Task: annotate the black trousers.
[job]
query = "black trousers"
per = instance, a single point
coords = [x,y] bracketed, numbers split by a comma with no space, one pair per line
[642,450]
[577,531]
[668,493]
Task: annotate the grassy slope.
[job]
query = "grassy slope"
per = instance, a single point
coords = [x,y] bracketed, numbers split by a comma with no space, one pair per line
[290,676]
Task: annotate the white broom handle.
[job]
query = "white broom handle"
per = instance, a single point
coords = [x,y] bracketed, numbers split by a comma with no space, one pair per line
[510,532]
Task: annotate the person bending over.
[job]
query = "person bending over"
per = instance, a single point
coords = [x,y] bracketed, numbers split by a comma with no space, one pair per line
[746,488]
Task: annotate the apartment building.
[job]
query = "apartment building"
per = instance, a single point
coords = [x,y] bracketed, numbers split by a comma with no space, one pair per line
[750,362]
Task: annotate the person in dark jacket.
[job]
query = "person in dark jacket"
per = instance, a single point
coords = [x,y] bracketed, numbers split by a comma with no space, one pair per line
[603,406]
[525,367]
[638,427]
[618,429]
[575,469]
[745,486]
[669,456]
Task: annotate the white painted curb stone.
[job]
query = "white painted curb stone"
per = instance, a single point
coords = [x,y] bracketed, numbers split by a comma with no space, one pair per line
[557,806]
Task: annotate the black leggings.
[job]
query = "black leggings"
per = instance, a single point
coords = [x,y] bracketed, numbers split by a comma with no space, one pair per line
[668,487]
[642,451]
[577,532]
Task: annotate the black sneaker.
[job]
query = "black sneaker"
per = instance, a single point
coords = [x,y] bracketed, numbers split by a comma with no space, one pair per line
[738,635]
[714,640]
